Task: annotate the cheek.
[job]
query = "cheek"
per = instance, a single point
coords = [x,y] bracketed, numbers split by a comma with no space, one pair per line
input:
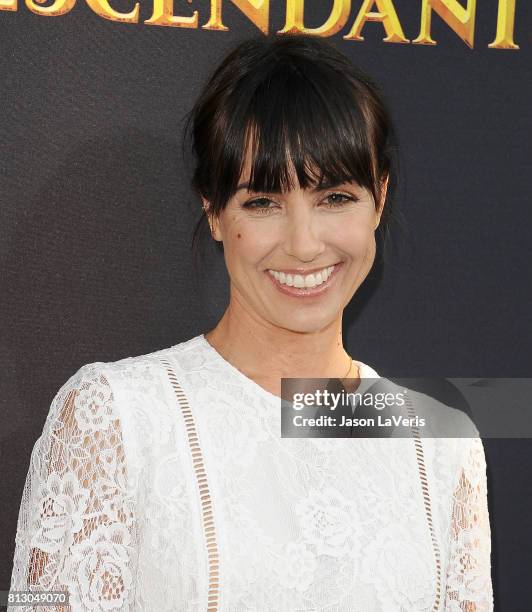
[354,238]
[244,243]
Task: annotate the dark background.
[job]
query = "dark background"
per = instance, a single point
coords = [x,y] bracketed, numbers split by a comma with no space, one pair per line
[97,215]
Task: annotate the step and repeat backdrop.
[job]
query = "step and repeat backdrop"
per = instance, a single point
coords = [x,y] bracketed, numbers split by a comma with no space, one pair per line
[97,211]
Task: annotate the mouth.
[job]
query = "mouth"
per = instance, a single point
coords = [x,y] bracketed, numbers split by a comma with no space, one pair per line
[305,285]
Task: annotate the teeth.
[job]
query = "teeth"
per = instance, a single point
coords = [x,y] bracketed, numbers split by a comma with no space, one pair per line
[307,282]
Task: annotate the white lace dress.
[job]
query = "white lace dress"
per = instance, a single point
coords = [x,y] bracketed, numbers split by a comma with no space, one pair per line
[160,482]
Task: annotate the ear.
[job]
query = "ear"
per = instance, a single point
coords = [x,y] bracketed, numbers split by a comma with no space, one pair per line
[214,223]
[383,192]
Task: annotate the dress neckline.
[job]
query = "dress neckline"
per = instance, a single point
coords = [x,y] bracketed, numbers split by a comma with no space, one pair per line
[365,372]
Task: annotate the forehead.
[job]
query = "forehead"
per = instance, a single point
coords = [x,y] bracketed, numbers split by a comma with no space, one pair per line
[243,183]
[290,168]
[281,166]
[247,163]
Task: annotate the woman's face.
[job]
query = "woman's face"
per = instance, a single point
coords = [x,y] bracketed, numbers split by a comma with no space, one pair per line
[294,234]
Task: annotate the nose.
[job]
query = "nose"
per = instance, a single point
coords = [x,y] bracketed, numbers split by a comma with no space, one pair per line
[301,235]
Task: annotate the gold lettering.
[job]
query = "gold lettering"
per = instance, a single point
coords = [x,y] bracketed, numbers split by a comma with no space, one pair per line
[335,22]
[257,11]
[103,8]
[215,20]
[59,7]
[505,26]
[163,15]
[8,5]
[386,14]
[460,19]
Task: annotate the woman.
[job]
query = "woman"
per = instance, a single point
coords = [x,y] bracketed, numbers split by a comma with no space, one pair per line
[161,481]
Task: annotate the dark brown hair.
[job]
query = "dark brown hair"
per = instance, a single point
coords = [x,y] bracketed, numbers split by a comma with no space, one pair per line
[304,102]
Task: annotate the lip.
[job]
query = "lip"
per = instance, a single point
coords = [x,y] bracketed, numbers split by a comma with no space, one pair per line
[306,293]
[305,271]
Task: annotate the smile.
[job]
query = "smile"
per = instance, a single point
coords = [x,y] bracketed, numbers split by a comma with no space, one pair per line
[303,281]
[304,285]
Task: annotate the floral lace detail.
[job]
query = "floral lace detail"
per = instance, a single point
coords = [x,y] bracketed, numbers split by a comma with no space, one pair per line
[394,563]
[328,525]
[75,522]
[97,570]
[298,566]
[329,522]
[469,587]
[93,407]
[63,504]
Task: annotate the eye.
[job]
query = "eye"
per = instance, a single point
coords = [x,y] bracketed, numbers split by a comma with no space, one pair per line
[336,202]
[259,205]
[333,200]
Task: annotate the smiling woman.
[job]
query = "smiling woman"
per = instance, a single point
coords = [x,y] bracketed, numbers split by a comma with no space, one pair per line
[297,115]
[294,147]
[161,482]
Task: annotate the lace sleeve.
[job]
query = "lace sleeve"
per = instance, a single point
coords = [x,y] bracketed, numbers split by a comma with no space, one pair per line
[469,587]
[76,521]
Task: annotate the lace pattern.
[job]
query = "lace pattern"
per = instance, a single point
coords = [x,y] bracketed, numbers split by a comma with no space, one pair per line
[469,586]
[117,510]
[75,527]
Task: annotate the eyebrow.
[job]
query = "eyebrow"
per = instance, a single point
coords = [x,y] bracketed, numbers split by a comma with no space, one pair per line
[325,185]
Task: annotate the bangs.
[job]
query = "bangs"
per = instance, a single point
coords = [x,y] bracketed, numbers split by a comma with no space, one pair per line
[300,119]
[283,111]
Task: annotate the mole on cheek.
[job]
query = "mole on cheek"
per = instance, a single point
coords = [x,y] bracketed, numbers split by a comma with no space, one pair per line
[238,235]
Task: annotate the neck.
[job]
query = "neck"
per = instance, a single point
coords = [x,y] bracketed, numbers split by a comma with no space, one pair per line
[266,353]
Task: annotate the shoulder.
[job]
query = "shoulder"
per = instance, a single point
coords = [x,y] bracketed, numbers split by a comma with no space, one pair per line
[451,435]
[440,419]
[100,391]
[139,368]
[448,435]
[132,395]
